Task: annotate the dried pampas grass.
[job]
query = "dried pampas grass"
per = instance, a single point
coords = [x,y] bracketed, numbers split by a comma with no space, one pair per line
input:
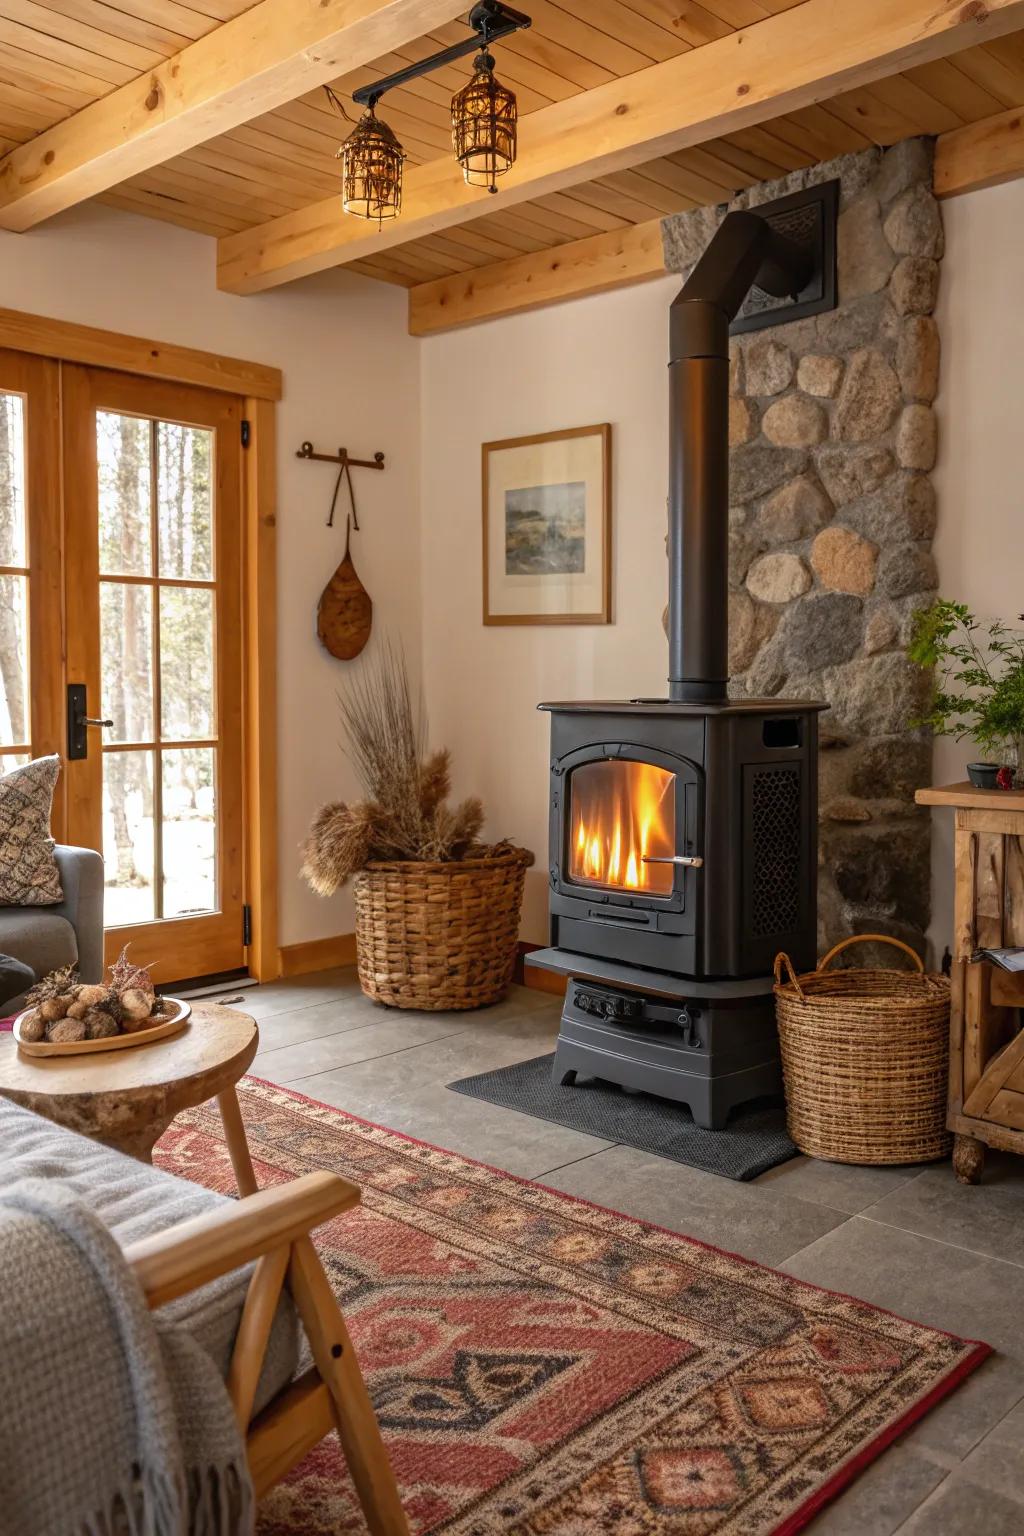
[338,844]
[406,815]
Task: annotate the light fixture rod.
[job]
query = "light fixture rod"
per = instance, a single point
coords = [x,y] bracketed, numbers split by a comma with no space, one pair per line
[490,20]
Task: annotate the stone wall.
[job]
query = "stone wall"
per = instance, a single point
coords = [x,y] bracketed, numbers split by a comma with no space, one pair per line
[832,513]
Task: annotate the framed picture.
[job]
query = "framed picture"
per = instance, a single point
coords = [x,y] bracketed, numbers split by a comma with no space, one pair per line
[548,528]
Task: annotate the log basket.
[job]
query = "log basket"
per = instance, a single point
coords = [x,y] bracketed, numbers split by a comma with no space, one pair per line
[864,1058]
[439,935]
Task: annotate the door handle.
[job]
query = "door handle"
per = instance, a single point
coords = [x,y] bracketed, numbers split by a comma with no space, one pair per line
[690,860]
[78,720]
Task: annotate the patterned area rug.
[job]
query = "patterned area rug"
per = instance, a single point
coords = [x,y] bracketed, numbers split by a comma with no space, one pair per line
[544,1367]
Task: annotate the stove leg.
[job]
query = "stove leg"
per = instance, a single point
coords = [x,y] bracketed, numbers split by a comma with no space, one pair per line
[710,1120]
[566,1078]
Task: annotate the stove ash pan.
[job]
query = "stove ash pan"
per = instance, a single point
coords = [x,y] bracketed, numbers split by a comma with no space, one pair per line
[683,837]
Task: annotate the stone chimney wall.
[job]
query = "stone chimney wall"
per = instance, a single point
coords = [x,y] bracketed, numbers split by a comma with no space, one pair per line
[833,439]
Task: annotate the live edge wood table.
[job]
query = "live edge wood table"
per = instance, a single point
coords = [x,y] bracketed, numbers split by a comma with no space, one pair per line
[128,1098]
[986,1051]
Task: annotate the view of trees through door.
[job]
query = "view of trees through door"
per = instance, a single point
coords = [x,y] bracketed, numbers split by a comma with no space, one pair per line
[14,683]
[156,566]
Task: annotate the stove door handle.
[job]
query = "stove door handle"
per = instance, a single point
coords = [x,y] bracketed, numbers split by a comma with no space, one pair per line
[690,860]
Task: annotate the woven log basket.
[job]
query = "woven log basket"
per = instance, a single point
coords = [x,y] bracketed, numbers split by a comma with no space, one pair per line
[439,936]
[864,1058]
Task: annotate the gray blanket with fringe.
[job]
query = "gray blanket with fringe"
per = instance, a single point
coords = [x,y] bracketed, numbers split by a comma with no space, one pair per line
[111,1423]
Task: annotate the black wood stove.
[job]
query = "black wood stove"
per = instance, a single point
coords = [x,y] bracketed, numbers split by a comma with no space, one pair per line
[683,832]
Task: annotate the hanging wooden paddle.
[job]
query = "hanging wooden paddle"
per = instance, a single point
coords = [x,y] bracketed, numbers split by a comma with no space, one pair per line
[344,616]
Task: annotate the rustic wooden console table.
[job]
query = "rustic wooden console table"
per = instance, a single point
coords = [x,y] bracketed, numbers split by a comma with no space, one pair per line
[986,1051]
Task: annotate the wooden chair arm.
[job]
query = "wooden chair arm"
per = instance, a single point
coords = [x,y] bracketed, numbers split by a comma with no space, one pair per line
[172,1263]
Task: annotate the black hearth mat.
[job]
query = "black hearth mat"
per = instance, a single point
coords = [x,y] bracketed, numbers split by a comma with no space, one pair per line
[754,1141]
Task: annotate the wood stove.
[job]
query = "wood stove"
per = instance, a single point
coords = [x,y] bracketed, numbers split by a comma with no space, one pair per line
[683,832]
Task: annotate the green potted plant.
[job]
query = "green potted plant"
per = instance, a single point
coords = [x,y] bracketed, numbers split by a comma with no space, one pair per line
[979,686]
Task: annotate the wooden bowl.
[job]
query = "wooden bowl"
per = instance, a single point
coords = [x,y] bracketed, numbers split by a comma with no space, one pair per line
[156,1031]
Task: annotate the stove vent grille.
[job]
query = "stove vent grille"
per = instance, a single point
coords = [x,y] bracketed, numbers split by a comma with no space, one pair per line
[776,846]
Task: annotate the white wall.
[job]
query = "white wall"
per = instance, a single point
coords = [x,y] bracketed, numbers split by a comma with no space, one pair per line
[350,378]
[979,545]
[593,360]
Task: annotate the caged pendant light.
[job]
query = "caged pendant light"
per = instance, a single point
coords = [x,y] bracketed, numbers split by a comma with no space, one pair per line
[484,117]
[371,164]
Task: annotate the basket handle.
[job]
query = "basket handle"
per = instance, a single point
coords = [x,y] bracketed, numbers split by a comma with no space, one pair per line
[871,938]
[782,960]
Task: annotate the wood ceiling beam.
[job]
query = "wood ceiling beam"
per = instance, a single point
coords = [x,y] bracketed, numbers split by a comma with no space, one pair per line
[785,62]
[248,66]
[981,154]
[595,265]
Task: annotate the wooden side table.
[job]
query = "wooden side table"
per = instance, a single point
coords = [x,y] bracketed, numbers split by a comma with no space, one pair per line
[127,1099]
[986,1052]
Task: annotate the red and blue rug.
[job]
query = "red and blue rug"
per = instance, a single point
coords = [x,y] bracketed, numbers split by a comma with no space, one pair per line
[544,1367]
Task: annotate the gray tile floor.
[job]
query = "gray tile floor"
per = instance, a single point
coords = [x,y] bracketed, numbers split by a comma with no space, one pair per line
[909,1239]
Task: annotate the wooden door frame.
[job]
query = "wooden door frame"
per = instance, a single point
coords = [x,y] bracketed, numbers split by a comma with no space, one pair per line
[38,379]
[258,387]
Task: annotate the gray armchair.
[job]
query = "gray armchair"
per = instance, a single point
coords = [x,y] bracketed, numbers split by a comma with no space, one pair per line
[71,930]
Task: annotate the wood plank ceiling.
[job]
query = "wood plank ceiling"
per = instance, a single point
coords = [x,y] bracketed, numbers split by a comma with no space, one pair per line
[56,56]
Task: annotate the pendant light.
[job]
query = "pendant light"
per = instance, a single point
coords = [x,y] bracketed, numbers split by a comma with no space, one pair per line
[371,161]
[484,116]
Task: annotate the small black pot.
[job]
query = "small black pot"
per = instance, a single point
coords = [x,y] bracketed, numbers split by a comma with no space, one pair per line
[983,775]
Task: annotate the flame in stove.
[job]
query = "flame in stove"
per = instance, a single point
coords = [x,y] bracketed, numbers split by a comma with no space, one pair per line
[620,812]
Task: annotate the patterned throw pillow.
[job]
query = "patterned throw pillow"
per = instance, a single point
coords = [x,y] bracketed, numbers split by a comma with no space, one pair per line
[28,869]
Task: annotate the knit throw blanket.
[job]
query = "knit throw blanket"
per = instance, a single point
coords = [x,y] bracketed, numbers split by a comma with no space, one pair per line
[111,1423]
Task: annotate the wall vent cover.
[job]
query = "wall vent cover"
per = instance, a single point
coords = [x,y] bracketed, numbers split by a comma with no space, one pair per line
[810,219]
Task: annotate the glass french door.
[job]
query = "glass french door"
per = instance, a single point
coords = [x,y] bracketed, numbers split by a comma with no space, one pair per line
[30,565]
[153,622]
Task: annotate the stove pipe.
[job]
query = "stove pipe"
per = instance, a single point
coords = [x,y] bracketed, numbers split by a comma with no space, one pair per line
[746,250]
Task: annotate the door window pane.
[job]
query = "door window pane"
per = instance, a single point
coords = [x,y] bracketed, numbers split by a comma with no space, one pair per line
[189,843]
[126,660]
[14,722]
[185,501]
[186,662]
[158,672]
[128,843]
[123,460]
[622,814]
[12,480]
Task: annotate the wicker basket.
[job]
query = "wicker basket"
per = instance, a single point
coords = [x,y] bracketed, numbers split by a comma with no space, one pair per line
[864,1058]
[439,936]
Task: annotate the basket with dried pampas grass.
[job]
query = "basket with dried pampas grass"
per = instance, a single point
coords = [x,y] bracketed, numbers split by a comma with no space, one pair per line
[437,911]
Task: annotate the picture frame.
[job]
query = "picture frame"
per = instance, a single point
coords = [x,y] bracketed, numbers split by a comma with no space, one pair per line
[547,528]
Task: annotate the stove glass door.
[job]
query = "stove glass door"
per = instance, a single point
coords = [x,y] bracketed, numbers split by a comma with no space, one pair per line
[622,820]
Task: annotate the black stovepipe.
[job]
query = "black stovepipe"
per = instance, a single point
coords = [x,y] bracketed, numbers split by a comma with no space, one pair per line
[746,250]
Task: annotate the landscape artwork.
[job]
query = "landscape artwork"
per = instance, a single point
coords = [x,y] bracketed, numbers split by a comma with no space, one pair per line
[547,524]
[546,529]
